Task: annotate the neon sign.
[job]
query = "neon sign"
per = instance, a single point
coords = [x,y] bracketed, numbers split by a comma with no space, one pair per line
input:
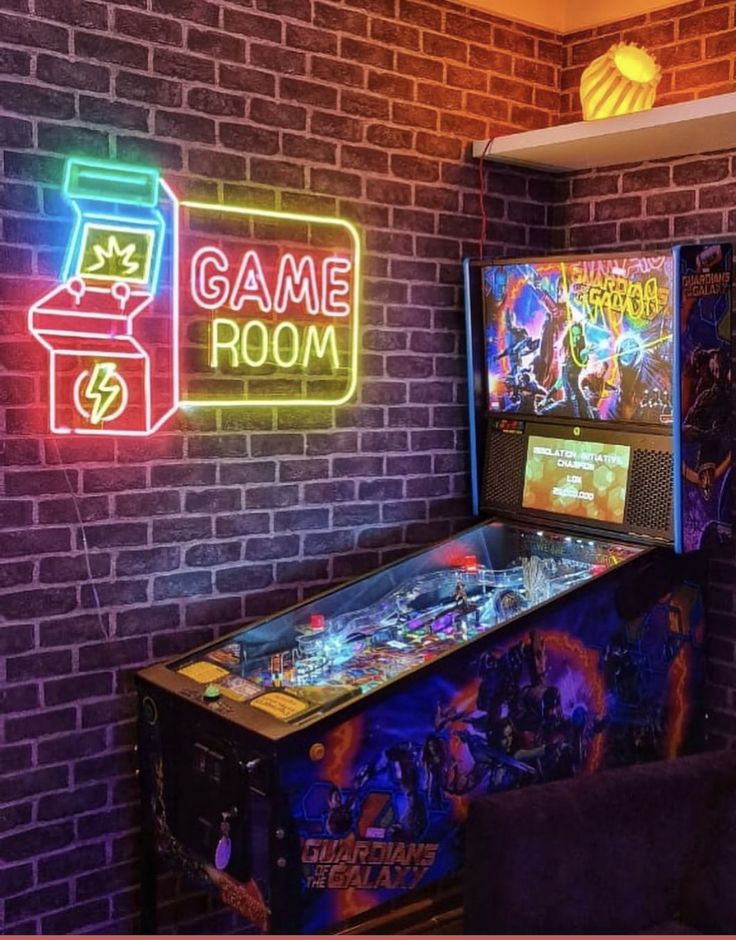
[164,304]
[280,295]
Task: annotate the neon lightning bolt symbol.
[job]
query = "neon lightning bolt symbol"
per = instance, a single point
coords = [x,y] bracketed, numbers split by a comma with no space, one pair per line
[102,390]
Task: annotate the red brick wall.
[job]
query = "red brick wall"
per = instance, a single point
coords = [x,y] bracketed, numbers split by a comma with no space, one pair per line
[364,108]
[694,42]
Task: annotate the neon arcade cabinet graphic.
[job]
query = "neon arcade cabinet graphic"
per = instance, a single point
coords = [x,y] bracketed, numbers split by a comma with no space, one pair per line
[111,324]
[165,304]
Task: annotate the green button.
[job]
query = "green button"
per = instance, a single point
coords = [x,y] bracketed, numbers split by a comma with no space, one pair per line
[212,693]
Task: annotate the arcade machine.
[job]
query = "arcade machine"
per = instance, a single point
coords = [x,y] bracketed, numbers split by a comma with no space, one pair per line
[318,764]
[111,325]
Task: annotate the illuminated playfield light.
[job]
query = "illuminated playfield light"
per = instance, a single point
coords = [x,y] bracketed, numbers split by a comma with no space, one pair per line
[621,81]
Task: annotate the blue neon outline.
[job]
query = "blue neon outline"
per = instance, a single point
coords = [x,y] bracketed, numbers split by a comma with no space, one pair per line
[676,406]
[474,488]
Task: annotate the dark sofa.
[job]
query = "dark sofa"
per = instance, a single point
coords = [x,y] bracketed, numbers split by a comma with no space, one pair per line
[643,849]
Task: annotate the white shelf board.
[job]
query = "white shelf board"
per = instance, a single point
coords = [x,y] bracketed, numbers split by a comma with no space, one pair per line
[674,130]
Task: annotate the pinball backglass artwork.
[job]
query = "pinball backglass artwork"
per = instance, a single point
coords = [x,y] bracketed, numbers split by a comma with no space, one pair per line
[588,339]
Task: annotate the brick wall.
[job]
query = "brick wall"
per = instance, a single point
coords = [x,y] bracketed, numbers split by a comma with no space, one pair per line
[362,108]
[694,42]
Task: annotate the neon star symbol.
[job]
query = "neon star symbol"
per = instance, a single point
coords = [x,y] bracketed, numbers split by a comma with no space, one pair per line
[105,389]
[106,257]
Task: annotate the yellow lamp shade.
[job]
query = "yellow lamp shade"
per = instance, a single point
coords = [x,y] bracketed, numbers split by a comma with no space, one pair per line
[621,81]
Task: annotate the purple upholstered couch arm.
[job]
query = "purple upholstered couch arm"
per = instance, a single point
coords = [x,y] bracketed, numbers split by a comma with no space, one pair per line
[640,849]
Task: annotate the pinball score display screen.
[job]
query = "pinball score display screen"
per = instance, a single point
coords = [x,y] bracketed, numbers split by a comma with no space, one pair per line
[586,339]
[587,479]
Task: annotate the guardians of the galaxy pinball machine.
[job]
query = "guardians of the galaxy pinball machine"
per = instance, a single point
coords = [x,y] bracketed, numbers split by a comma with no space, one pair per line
[573,692]
[589,339]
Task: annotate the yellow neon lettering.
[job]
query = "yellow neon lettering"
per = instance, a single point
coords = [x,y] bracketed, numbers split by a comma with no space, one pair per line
[286,327]
[335,285]
[209,290]
[320,343]
[250,284]
[296,283]
[261,328]
[217,342]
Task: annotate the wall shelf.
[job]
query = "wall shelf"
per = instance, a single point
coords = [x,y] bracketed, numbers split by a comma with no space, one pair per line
[673,130]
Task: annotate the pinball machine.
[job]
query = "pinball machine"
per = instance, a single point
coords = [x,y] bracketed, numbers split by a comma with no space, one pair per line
[316,765]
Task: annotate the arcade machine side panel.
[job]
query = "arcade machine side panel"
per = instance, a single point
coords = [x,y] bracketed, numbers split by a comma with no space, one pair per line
[475,352]
[378,798]
[209,805]
[705,430]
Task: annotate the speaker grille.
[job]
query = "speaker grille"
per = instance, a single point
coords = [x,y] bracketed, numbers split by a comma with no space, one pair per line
[649,504]
[503,474]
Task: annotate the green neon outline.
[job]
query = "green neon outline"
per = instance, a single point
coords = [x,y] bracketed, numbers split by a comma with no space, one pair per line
[111,172]
[356,305]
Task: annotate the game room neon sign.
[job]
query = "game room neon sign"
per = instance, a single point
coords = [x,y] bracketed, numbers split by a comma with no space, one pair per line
[165,304]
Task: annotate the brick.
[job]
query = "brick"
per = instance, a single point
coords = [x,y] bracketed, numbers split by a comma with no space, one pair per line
[276,173]
[74,688]
[14,62]
[186,584]
[341,20]
[213,553]
[35,902]
[280,59]
[114,653]
[273,547]
[624,207]
[670,203]
[41,839]
[119,51]
[363,105]
[16,573]
[712,73]
[185,126]
[136,87]
[244,578]
[366,53]
[32,32]
[38,665]
[144,620]
[116,533]
[301,571]
[72,861]
[155,28]
[180,65]
[127,117]
[267,112]
[698,171]
[72,74]
[443,47]
[27,99]
[113,593]
[244,79]
[217,45]
[245,524]
[198,11]
[62,568]
[335,125]
[716,197]
[18,877]
[75,12]
[81,915]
